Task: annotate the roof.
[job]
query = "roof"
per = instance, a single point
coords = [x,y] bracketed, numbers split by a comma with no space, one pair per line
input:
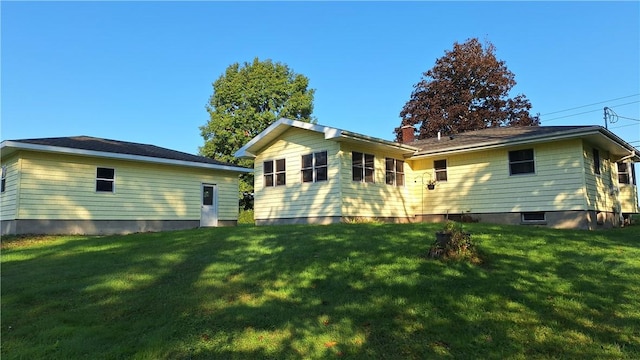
[273,131]
[463,142]
[503,136]
[489,135]
[91,146]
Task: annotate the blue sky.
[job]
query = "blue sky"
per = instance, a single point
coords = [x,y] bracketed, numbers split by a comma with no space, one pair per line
[142,71]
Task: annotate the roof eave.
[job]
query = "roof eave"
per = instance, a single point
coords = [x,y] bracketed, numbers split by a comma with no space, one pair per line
[8,144]
[342,134]
[253,146]
[511,142]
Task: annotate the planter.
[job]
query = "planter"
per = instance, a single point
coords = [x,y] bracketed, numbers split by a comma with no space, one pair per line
[431,186]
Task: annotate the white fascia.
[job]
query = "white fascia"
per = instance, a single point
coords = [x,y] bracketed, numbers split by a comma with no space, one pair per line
[110,155]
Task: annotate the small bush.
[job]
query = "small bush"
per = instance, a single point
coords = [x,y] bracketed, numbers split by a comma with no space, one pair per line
[246,217]
[361,220]
[453,243]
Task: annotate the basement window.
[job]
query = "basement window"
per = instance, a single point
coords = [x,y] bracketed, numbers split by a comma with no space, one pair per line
[533,217]
[105,179]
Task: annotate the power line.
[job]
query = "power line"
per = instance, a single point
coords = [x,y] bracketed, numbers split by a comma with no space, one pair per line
[601,102]
[628,118]
[586,112]
[621,126]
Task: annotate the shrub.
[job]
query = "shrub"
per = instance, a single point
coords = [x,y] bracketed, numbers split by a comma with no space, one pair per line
[453,243]
[360,220]
[246,217]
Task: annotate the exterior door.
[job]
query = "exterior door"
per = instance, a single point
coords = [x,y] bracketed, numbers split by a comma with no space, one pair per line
[209,211]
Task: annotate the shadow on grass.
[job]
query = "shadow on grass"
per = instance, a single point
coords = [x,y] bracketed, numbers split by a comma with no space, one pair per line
[354,291]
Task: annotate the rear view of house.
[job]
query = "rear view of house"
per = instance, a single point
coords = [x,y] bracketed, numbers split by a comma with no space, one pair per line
[558,176]
[86,185]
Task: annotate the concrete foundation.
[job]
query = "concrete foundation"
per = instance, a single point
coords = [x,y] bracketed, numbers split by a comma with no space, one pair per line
[578,219]
[98,227]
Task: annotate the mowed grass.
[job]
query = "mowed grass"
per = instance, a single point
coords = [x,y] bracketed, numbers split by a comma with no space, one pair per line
[353,291]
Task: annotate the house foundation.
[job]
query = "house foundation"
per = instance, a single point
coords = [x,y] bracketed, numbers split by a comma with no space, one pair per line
[98,227]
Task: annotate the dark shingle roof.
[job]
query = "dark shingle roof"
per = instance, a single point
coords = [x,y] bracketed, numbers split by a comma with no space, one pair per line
[121,147]
[495,135]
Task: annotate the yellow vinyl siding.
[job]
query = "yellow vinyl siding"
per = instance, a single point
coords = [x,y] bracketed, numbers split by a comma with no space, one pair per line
[9,198]
[297,199]
[628,197]
[599,195]
[60,187]
[377,199]
[479,182]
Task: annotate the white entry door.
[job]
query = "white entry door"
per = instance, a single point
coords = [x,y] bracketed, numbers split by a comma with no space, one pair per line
[209,212]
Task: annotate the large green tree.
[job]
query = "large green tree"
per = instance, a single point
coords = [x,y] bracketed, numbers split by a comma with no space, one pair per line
[467,89]
[247,99]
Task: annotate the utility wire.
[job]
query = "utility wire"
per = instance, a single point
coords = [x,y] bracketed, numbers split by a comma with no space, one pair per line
[628,118]
[586,112]
[621,126]
[579,107]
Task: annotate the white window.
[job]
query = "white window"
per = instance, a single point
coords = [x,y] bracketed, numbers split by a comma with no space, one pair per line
[394,172]
[626,173]
[275,175]
[362,167]
[105,179]
[521,162]
[314,167]
[596,161]
[440,168]
[3,184]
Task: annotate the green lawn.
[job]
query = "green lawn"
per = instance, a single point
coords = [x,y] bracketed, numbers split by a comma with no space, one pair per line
[354,291]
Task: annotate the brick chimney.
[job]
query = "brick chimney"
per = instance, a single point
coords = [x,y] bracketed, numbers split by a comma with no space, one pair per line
[408,134]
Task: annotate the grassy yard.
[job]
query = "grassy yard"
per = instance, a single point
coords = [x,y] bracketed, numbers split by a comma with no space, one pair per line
[353,291]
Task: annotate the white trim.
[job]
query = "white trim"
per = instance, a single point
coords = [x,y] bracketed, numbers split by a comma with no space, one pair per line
[329,133]
[565,135]
[110,155]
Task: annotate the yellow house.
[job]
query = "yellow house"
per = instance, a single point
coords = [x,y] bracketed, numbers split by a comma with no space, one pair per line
[86,185]
[559,176]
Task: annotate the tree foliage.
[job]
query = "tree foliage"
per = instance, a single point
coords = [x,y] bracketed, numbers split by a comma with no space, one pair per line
[246,100]
[467,89]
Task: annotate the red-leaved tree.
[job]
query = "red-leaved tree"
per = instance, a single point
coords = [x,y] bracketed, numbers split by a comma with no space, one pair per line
[467,89]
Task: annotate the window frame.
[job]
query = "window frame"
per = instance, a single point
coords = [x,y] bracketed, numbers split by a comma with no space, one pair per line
[3,179]
[105,180]
[519,162]
[395,173]
[315,168]
[366,166]
[438,171]
[526,217]
[629,173]
[597,164]
[277,175]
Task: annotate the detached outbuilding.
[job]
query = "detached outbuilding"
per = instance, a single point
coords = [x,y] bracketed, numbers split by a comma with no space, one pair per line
[87,185]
